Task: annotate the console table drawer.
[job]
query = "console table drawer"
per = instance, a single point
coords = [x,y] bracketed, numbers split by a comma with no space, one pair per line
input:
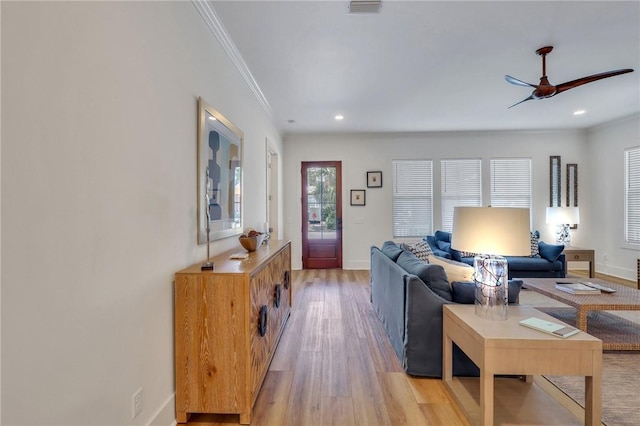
[580,255]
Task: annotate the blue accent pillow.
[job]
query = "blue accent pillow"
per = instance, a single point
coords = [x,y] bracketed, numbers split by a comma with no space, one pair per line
[550,251]
[443,236]
[444,246]
[455,254]
[433,276]
[391,249]
[465,292]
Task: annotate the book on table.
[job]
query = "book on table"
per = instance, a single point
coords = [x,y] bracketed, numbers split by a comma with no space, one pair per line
[555,329]
[576,288]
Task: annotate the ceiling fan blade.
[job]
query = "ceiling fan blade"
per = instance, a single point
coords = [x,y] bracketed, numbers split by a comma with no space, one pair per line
[518,82]
[524,100]
[584,80]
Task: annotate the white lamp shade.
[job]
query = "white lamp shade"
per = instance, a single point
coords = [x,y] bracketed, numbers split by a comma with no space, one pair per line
[563,215]
[491,230]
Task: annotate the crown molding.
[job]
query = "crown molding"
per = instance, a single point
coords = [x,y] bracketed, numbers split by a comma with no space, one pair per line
[211,19]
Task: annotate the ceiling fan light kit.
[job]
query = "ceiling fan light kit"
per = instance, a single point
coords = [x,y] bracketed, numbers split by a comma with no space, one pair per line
[545,89]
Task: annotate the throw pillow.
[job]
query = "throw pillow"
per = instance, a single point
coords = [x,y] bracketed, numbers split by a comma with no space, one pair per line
[455,254]
[391,249]
[535,238]
[432,275]
[444,246]
[465,292]
[422,250]
[550,251]
[443,236]
[456,271]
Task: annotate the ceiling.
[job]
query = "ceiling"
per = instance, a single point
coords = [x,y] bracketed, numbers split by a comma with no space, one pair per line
[435,65]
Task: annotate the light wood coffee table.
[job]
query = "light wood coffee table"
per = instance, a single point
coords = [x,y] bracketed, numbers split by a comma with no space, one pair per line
[506,347]
[624,299]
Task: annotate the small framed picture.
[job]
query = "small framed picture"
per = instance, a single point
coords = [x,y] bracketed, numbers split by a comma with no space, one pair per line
[374,179]
[358,197]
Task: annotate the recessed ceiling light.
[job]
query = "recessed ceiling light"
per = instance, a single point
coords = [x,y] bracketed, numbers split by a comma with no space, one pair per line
[211,117]
[579,112]
[339,117]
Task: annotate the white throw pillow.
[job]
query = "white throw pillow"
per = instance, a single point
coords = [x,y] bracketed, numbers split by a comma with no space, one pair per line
[456,271]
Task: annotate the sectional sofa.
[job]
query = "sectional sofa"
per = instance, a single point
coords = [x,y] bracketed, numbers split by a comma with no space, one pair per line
[546,260]
[408,294]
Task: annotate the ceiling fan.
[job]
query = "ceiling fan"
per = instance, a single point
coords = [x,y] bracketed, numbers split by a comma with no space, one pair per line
[547,90]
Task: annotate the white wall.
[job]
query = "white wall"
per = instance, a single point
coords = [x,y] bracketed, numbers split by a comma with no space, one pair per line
[604,183]
[359,153]
[99,200]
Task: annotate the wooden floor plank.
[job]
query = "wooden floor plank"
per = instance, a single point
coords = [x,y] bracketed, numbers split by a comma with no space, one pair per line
[304,403]
[399,400]
[337,411]
[427,390]
[272,404]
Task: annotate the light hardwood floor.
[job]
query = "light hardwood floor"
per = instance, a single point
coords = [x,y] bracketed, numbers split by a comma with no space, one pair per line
[335,365]
[582,273]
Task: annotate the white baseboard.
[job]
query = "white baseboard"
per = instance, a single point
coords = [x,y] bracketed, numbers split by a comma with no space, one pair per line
[624,273]
[357,265]
[166,414]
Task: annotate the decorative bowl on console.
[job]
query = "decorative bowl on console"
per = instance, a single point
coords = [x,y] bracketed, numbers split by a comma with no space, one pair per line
[252,240]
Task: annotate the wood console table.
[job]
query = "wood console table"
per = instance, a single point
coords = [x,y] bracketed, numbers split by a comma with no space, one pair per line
[228,323]
[576,254]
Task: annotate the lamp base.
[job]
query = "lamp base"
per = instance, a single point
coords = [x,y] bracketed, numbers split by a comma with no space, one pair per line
[563,235]
[207,266]
[492,289]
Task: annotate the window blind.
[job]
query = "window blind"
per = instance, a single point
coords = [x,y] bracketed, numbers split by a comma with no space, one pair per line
[632,195]
[461,185]
[412,198]
[511,182]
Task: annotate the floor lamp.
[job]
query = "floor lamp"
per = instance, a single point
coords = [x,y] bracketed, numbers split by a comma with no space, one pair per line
[492,232]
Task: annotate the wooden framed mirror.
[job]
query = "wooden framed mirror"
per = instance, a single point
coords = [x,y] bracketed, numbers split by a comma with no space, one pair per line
[572,188]
[555,189]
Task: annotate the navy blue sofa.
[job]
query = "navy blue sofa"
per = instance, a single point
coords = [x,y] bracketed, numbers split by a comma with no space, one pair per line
[548,263]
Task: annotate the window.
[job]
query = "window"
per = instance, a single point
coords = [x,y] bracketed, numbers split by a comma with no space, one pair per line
[511,182]
[461,185]
[412,198]
[632,195]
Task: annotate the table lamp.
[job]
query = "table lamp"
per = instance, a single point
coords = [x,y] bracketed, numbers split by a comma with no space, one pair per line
[563,218]
[492,232]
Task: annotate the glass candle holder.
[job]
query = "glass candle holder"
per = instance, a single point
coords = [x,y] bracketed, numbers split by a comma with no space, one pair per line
[492,289]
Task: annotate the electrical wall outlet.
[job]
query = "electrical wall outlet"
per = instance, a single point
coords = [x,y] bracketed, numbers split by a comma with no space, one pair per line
[136,401]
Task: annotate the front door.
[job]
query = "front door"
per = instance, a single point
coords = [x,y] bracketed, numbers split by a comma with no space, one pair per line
[321,215]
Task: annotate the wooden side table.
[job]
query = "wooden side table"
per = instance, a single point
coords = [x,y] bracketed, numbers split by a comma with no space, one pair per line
[576,254]
[506,347]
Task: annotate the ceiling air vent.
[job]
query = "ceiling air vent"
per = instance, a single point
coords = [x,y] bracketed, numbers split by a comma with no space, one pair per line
[365,6]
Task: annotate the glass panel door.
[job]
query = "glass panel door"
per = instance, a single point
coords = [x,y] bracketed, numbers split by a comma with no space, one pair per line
[321,215]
